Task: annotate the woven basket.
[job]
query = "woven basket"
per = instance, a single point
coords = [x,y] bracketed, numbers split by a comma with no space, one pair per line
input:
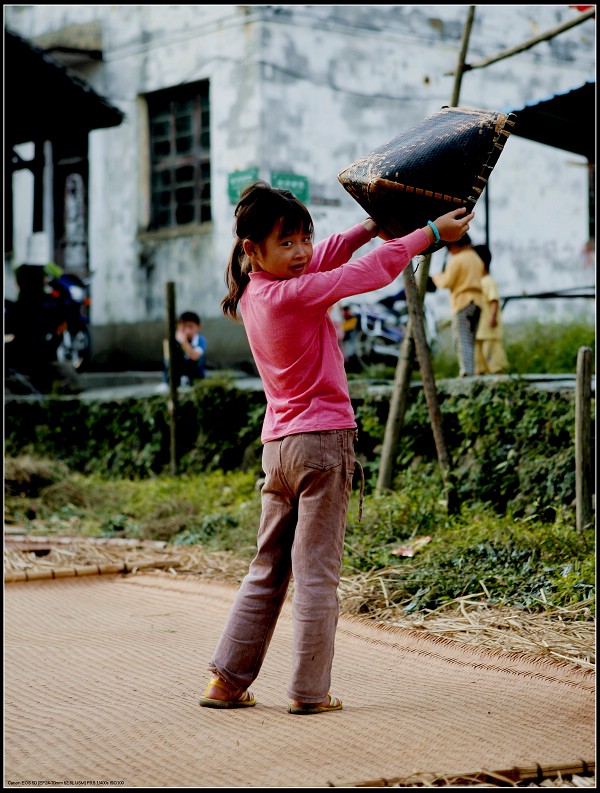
[442,163]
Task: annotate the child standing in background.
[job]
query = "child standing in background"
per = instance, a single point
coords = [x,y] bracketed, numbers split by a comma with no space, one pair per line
[462,276]
[284,288]
[490,356]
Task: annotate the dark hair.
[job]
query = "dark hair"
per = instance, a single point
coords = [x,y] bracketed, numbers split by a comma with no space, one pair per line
[484,254]
[189,316]
[258,211]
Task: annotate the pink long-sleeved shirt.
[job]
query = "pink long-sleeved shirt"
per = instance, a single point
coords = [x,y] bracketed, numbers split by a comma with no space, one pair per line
[293,339]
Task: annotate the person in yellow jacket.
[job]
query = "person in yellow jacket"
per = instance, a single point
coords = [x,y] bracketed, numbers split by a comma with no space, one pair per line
[490,356]
[462,276]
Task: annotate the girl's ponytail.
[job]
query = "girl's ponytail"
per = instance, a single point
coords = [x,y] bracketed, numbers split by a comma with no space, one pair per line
[236,278]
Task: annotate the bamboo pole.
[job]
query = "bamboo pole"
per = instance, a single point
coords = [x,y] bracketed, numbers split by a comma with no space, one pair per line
[170,289]
[536,773]
[423,355]
[399,397]
[464,46]
[415,339]
[583,440]
[77,571]
[465,67]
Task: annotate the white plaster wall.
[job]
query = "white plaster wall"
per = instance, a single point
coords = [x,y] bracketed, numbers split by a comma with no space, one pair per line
[23,197]
[363,86]
[310,89]
[182,51]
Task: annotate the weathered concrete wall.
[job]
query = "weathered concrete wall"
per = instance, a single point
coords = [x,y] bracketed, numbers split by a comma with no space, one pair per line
[307,90]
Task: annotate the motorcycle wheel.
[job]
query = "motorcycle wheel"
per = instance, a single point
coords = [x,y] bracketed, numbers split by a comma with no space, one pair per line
[363,349]
[373,350]
[75,348]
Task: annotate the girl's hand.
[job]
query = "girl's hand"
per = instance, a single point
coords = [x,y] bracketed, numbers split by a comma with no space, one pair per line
[371,227]
[375,230]
[451,226]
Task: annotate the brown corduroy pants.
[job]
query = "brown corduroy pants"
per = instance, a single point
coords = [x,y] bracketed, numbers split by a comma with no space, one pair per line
[305,502]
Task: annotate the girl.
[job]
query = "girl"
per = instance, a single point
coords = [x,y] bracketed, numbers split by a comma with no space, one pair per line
[284,288]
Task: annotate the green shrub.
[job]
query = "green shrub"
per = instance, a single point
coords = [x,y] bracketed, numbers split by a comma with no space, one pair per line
[508,443]
[532,347]
[540,347]
[218,426]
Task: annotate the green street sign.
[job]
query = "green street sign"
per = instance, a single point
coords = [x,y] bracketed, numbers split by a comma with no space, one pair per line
[237,180]
[293,182]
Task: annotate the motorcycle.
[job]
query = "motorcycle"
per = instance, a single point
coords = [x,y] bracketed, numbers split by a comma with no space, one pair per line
[74,343]
[46,330]
[373,332]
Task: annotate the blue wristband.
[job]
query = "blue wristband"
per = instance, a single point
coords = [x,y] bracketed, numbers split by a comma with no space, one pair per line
[433,227]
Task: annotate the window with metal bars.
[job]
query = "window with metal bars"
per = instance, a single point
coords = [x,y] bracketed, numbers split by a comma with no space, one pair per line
[179,120]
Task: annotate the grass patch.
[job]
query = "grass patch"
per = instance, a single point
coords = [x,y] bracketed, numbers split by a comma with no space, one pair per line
[219,511]
[511,561]
[536,347]
[532,347]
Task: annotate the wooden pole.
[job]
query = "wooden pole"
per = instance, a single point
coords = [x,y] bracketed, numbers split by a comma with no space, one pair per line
[415,333]
[550,34]
[416,314]
[399,397]
[171,315]
[583,440]
[464,45]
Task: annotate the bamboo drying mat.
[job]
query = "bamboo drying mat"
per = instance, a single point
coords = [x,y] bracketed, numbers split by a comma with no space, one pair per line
[103,674]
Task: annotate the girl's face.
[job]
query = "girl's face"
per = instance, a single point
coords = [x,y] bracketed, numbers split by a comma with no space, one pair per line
[281,255]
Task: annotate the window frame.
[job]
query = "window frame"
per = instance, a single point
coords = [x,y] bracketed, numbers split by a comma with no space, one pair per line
[184,197]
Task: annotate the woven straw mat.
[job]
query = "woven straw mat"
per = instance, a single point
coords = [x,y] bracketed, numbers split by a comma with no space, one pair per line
[103,674]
